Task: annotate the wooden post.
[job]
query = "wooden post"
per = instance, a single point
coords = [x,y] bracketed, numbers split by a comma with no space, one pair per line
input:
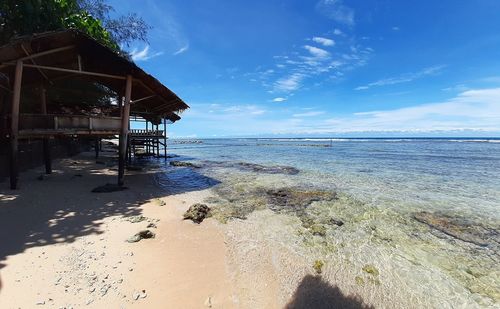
[146,140]
[14,124]
[96,146]
[165,138]
[124,130]
[157,143]
[46,141]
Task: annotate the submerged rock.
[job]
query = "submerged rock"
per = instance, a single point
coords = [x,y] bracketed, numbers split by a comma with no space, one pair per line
[295,200]
[370,269]
[318,266]
[460,228]
[108,188]
[254,167]
[276,169]
[183,164]
[145,234]
[197,213]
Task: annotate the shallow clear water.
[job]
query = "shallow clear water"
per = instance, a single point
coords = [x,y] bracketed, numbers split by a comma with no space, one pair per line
[383,183]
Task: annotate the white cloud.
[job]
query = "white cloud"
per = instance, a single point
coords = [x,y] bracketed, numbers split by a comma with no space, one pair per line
[336,10]
[289,83]
[144,54]
[181,50]
[308,114]
[395,28]
[317,52]
[279,99]
[323,41]
[405,78]
[338,32]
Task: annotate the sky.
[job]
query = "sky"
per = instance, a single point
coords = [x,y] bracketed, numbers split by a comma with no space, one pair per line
[325,67]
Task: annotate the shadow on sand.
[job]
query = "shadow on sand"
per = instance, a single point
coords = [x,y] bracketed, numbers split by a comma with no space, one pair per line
[315,293]
[72,211]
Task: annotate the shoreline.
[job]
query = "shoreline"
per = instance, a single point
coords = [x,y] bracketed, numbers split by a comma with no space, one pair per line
[71,249]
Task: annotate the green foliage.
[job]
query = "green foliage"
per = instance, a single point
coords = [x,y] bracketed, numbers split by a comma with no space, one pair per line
[89,16]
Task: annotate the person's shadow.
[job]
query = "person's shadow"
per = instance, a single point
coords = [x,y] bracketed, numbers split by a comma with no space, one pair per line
[315,293]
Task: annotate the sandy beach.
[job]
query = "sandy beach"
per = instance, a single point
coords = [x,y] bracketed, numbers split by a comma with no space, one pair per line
[64,247]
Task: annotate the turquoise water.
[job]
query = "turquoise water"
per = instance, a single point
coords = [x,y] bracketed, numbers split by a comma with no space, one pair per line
[384,184]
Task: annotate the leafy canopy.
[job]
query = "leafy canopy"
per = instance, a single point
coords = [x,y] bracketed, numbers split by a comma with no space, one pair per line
[89,16]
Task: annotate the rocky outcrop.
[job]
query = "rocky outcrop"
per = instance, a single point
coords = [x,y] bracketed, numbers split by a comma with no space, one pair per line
[460,228]
[197,213]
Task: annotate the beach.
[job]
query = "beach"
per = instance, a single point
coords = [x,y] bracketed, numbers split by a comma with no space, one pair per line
[275,238]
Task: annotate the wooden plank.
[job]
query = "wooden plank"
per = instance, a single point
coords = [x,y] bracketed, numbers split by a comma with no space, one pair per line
[124,130]
[44,53]
[14,124]
[46,141]
[44,67]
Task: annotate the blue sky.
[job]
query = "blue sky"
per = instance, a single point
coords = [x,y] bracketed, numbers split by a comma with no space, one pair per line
[326,67]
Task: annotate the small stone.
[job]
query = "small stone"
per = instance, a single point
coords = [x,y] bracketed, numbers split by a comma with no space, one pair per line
[40,302]
[208,302]
[136,296]
[152,225]
[145,234]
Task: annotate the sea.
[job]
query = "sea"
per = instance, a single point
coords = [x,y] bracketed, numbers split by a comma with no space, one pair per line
[424,212]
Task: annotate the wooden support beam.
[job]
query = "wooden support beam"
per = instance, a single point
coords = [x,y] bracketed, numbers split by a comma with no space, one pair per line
[46,141]
[14,124]
[96,146]
[165,138]
[157,144]
[44,67]
[124,130]
[33,61]
[142,99]
[44,53]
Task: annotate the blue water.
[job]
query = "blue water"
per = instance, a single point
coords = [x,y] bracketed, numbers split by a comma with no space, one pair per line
[383,184]
[461,175]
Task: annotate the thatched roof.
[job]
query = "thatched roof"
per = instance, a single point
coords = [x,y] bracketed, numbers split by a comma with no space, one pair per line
[157,101]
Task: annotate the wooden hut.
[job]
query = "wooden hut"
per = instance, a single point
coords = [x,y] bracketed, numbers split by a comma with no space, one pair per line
[66,84]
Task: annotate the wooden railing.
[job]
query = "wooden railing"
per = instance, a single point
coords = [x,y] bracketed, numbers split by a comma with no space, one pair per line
[142,132]
[36,122]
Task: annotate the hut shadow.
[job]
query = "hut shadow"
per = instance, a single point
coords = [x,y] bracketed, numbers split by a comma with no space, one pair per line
[73,211]
[315,293]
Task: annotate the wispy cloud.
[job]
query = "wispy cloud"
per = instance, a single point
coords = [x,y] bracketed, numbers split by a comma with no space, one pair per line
[336,10]
[181,50]
[337,31]
[289,83]
[470,111]
[317,52]
[279,99]
[404,78]
[323,41]
[144,54]
[308,114]
[395,28]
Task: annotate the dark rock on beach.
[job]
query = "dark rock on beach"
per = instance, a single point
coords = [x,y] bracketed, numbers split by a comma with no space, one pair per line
[460,228]
[183,164]
[197,213]
[108,188]
[145,234]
